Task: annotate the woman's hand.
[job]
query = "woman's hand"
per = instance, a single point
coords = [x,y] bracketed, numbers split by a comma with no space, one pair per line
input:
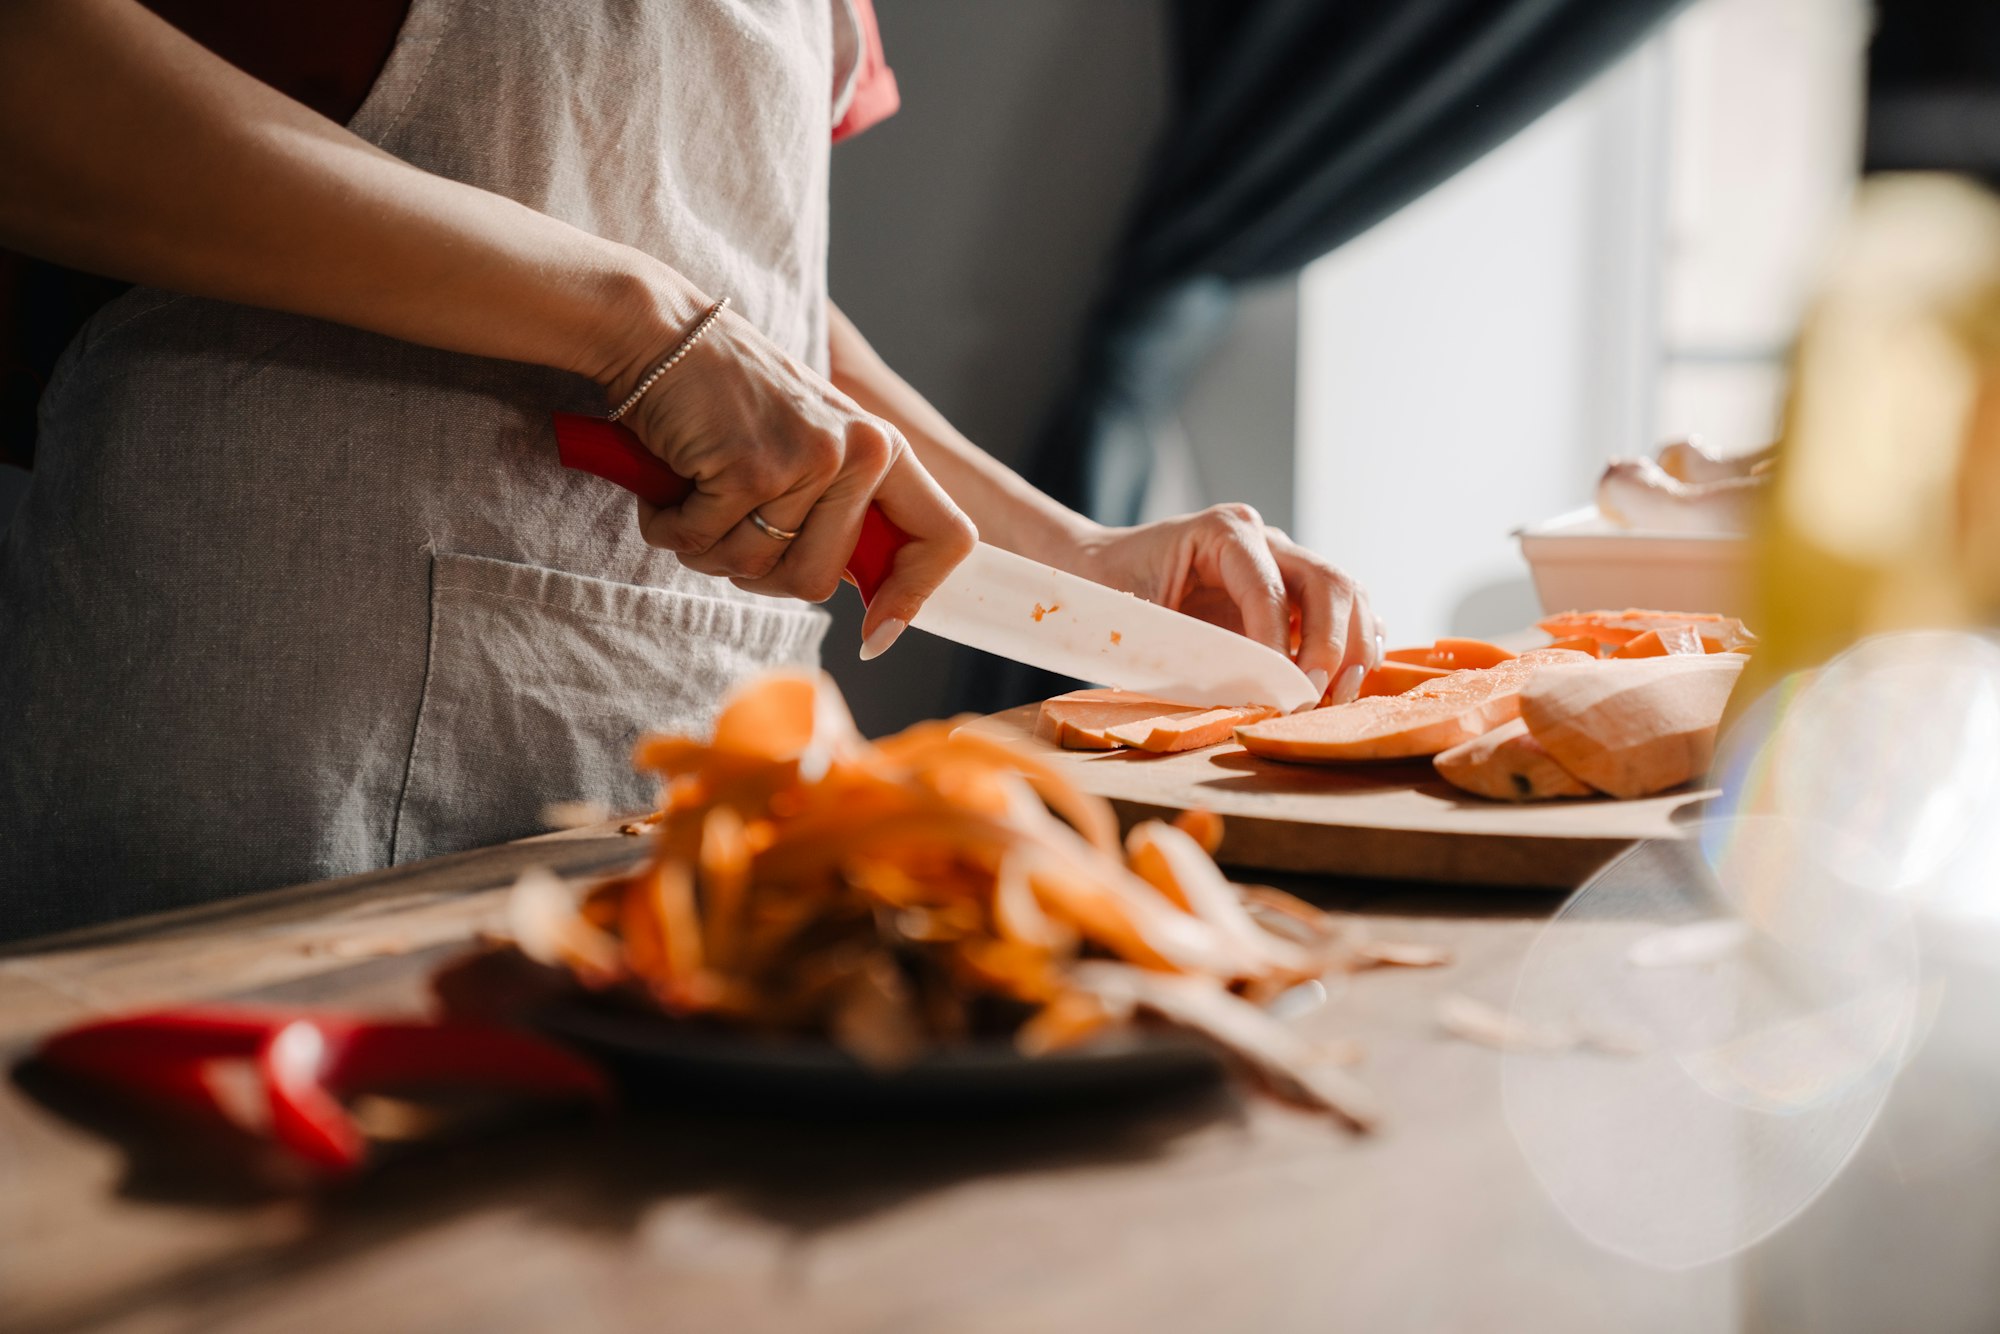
[198,178]
[1222,564]
[1227,567]
[757,432]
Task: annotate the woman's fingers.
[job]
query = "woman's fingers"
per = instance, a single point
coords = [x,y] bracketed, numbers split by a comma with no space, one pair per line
[1337,643]
[1244,566]
[1326,607]
[810,566]
[761,438]
[1227,567]
[747,552]
[940,537]
[779,480]
[695,526]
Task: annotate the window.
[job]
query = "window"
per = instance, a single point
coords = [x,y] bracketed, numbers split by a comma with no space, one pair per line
[1629,269]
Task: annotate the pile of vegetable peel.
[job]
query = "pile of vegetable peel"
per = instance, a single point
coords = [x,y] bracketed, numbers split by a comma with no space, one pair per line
[932,888]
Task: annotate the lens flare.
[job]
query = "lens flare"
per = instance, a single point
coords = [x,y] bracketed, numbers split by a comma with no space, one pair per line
[1832,919]
[1772,1039]
[1893,752]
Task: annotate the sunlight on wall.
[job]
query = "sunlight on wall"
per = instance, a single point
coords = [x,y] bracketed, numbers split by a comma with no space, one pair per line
[1629,269]
[1465,367]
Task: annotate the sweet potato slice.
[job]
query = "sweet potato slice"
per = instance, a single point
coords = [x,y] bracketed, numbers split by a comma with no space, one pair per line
[1615,629]
[1508,764]
[1663,642]
[1083,719]
[1109,719]
[1167,733]
[1468,654]
[1636,727]
[1579,644]
[1433,717]
[1453,655]
[1393,678]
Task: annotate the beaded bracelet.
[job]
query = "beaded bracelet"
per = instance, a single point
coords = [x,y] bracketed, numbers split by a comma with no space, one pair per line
[692,337]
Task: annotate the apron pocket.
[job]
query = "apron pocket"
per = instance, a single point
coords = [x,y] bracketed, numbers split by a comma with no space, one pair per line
[538,683]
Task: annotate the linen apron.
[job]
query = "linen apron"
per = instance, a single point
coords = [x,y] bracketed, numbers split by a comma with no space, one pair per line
[287,600]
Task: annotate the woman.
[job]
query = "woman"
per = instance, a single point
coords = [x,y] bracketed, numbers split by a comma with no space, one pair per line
[298,588]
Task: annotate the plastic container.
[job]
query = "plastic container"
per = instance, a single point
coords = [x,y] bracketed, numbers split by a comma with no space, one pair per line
[1581,561]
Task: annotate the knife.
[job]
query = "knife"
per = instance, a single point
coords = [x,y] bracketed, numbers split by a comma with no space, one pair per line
[1007,604]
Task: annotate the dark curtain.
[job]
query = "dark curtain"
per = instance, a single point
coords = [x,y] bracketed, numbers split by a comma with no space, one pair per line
[1295,126]
[1934,88]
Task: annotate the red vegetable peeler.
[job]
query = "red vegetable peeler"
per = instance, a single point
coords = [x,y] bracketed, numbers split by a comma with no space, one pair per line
[608,450]
[303,1064]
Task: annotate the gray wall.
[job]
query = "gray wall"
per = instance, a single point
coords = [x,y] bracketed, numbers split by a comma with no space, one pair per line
[968,236]
[968,231]
[13,485]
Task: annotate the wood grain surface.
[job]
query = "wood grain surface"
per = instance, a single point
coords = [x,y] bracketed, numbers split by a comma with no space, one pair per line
[1203,1211]
[1387,821]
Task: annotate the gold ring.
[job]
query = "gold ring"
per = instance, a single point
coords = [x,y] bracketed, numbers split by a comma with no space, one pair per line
[771,530]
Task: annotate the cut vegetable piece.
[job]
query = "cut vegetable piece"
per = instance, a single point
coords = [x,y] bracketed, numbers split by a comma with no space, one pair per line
[1402,954]
[1277,1055]
[1453,655]
[1172,862]
[1633,728]
[790,716]
[1433,717]
[1579,644]
[1109,719]
[1165,734]
[1203,826]
[1490,1026]
[1468,654]
[1069,1020]
[1615,629]
[1083,719]
[1394,677]
[1663,642]
[1508,764]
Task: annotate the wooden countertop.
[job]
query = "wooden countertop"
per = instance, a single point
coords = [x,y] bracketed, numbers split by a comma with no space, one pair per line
[1209,1211]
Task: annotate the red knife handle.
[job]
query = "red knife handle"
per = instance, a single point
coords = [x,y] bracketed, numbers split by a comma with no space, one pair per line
[306,1063]
[609,450]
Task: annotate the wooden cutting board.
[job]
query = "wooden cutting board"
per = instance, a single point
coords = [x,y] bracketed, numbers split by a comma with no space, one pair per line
[1391,821]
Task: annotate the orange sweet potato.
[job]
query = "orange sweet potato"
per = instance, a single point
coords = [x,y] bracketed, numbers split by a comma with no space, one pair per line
[1167,733]
[1467,654]
[1433,717]
[1615,629]
[1662,642]
[1109,719]
[1452,655]
[1083,719]
[1393,677]
[1508,764]
[1635,727]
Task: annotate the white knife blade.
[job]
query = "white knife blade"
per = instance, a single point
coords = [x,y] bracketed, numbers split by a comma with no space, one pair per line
[1010,605]
[1033,613]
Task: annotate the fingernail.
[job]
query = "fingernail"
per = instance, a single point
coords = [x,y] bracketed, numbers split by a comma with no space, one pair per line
[1318,676]
[1381,647]
[1349,688]
[882,636]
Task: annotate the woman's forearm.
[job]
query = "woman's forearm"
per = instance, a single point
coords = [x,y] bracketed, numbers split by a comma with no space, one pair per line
[1007,510]
[129,150]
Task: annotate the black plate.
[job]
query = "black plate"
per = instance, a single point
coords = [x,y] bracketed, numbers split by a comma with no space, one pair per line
[658,1058]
